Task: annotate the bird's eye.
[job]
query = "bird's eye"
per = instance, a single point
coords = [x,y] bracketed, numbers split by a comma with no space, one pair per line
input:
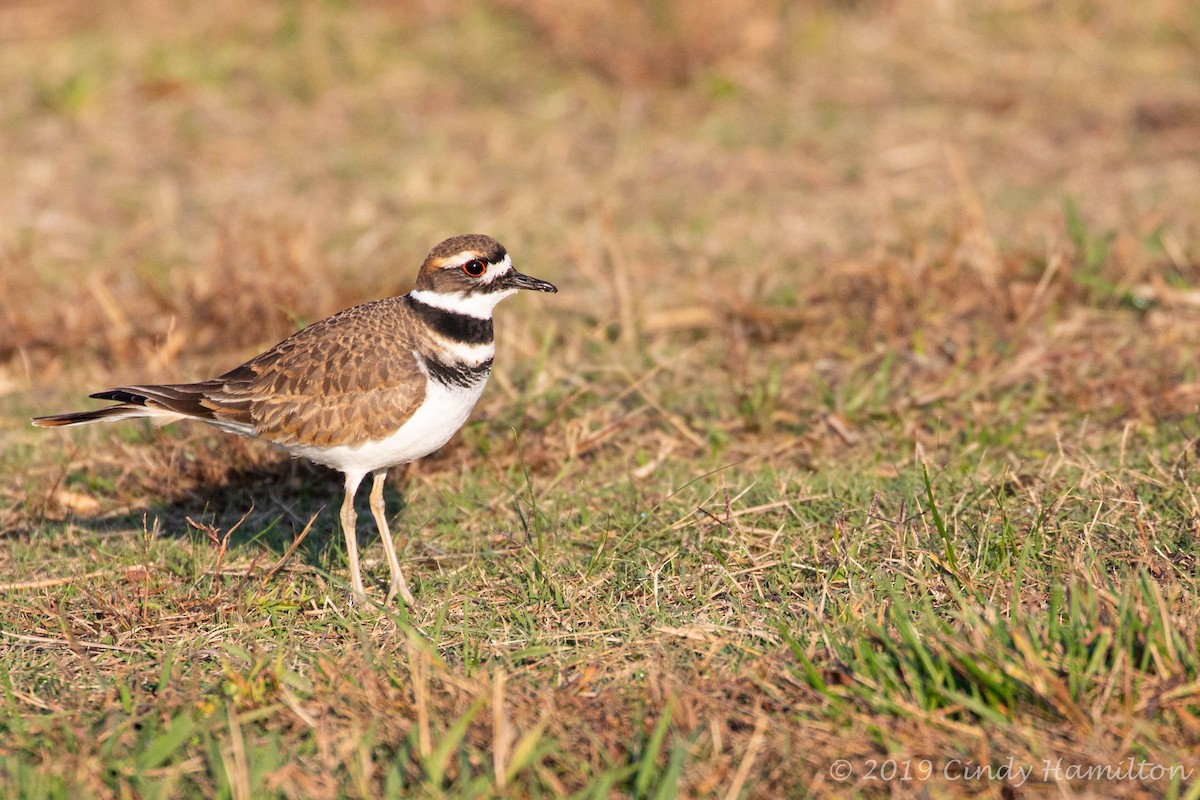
[474,267]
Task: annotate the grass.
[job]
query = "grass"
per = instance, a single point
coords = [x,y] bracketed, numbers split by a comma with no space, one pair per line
[856,457]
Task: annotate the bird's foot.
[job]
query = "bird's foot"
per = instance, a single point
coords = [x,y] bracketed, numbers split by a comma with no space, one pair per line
[400,586]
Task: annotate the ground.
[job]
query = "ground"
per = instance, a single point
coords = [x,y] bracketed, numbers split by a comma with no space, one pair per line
[856,456]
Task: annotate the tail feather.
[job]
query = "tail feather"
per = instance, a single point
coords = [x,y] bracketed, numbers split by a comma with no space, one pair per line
[165,403]
[208,401]
[110,414]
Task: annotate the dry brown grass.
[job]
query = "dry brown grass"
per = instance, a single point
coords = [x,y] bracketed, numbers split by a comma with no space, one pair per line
[818,247]
[641,44]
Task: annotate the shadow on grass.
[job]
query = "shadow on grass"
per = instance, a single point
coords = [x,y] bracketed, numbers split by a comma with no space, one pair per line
[255,508]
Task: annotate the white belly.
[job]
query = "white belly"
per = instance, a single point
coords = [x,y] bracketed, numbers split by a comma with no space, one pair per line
[443,412]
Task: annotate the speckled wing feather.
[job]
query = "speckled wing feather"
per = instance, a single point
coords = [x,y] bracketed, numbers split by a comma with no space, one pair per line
[346,380]
[349,379]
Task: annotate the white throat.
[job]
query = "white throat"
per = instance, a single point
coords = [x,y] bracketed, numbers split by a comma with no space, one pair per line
[478,305]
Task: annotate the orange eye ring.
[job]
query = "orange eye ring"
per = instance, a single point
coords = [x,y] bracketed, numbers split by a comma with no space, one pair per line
[474,267]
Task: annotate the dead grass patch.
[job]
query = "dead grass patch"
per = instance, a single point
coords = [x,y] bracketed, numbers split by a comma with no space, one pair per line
[862,429]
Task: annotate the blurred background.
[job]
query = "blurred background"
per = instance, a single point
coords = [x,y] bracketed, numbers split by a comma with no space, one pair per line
[864,422]
[790,213]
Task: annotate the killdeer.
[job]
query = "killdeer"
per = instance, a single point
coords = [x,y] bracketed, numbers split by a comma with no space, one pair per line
[372,387]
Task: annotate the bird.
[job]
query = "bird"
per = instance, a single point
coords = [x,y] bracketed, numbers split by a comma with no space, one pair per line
[372,387]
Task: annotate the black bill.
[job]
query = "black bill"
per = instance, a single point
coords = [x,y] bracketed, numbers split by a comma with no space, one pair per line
[519,281]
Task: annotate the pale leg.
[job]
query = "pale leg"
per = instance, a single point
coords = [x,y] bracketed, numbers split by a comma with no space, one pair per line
[349,518]
[398,584]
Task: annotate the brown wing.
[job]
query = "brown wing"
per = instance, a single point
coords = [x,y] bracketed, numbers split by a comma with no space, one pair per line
[349,379]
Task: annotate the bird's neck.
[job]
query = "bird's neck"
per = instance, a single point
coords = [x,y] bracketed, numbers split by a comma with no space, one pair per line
[475,304]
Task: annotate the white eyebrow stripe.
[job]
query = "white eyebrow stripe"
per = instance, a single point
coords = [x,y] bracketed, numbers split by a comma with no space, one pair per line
[496,270]
[458,260]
